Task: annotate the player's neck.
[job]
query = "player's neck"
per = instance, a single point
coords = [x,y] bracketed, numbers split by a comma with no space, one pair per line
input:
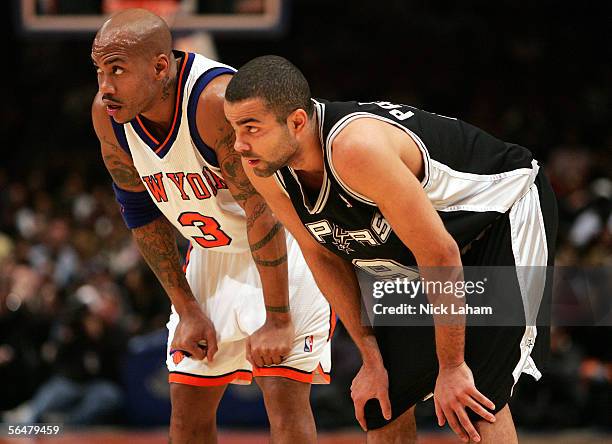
[160,115]
[308,163]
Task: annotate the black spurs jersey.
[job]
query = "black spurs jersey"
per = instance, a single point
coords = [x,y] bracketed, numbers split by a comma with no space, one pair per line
[470,178]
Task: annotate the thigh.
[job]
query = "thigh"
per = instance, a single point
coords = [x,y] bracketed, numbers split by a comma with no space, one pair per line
[222,282]
[409,355]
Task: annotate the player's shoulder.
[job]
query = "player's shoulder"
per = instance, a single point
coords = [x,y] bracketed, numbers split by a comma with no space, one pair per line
[210,116]
[359,138]
[213,94]
[209,78]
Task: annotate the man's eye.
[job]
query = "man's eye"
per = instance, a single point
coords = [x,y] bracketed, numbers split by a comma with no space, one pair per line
[252,129]
[117,70]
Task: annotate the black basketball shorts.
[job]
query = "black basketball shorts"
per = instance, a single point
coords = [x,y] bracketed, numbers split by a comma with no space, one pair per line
[497,355]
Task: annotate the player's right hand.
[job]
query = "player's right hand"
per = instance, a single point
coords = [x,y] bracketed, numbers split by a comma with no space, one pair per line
[271,343]
[195,335]
[371,382]
[454,391]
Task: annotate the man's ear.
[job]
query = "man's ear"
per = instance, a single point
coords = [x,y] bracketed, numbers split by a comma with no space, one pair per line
[162,66]
[297,120]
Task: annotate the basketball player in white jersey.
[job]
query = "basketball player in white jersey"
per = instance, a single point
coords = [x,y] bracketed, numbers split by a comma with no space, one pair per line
[159,117]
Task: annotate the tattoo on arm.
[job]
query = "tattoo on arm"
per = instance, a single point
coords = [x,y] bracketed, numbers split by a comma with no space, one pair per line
[123,173]
[267,238]
[278,309]
[231,167]
[264,241]
[270,263]
[157,244]
[259,209]
[243,191]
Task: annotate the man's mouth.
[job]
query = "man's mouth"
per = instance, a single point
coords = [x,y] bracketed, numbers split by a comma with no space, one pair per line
[252,162]
[112,109]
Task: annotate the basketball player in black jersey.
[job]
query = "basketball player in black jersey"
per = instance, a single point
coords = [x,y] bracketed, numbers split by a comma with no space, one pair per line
[380,187]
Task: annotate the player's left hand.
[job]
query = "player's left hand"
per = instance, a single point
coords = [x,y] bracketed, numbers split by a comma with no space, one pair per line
[271,343]
[455,390]
[371,382]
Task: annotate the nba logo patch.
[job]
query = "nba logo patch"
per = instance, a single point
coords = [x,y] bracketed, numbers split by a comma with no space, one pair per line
[308,341]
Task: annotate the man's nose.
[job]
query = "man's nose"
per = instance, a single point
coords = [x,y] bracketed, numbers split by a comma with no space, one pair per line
[240,146]
[106,86]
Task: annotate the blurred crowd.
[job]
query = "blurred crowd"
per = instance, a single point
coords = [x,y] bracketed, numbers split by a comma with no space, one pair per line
[74,292]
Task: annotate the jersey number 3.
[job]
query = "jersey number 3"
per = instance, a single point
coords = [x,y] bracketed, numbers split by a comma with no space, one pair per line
[212,235]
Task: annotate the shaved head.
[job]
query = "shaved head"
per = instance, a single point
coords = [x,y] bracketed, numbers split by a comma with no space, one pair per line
[135,64]
[136,31]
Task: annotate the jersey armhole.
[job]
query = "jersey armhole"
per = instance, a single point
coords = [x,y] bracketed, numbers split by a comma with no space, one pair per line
[354,116]
[207,152]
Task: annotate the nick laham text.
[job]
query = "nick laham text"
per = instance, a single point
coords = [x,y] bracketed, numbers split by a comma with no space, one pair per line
[431,309]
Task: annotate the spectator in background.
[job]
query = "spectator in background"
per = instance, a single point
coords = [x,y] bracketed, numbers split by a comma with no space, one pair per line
[84,354]
[27,305]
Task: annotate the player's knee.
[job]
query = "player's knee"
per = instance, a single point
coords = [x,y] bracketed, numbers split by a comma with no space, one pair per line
[194,408]
[196,421]
[285,399]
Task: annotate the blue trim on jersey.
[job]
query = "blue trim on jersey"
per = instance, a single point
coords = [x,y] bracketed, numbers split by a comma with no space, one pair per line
[143,135]
[119,131]
[161,148]
[137,207]
[207,152]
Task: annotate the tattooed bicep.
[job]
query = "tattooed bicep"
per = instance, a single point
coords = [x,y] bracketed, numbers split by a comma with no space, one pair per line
[120,166]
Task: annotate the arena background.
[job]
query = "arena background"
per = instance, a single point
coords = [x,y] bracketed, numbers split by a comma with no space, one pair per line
[77,303]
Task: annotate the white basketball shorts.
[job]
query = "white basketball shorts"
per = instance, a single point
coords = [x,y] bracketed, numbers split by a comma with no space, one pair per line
[228,287]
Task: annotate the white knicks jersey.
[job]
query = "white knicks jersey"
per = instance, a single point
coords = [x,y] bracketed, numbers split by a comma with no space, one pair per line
[181,172]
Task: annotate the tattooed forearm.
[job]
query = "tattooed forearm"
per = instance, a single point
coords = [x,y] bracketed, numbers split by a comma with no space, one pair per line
[270,263]
[255,213]
[157,245]
[267,238]
[254,205]
[278,308]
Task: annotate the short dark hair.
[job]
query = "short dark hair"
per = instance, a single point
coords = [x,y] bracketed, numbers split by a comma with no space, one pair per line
[275,80]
